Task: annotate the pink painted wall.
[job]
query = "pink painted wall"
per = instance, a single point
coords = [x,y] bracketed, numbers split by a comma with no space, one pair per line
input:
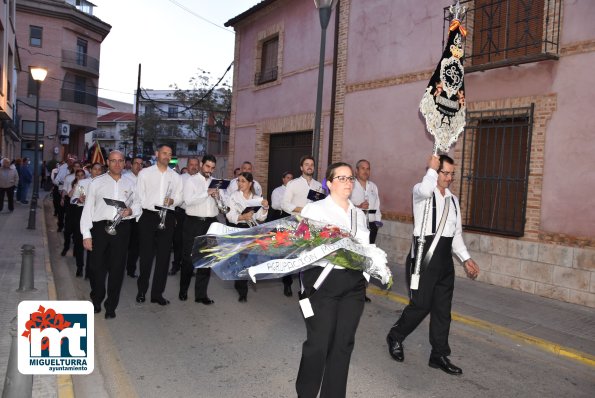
[387,39]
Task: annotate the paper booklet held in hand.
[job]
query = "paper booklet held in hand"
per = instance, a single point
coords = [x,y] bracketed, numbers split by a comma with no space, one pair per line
[219,184]
[315,196]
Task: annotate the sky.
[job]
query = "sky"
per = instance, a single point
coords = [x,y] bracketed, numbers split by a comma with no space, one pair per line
[170,39]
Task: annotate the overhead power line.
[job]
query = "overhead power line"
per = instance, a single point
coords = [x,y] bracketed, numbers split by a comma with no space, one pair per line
[183,7]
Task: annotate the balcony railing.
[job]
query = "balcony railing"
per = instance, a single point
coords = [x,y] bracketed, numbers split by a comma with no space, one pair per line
[265,76]
[79,97]
[80,61]
[509,32]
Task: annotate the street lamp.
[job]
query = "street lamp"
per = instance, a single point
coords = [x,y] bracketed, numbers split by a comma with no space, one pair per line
[325,8]
[38,74]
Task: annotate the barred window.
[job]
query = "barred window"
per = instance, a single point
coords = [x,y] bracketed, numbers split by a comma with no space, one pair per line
[495,170]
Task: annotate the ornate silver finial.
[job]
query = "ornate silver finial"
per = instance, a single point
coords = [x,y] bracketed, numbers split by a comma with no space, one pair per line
[457,11]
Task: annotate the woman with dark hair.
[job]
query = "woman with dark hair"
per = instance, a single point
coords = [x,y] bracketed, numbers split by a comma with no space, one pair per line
[338,302]
[241,199]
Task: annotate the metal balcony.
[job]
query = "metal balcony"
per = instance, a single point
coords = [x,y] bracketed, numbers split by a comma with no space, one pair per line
[80,62]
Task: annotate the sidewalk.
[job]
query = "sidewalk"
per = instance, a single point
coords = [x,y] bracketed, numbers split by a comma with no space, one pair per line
[557,327]
[13,235]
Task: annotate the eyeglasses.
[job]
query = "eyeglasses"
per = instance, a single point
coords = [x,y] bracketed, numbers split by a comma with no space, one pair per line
[344,179]
[448,173]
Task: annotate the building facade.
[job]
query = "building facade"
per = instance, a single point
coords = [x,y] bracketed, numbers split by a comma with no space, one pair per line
[65,38]
[191,125]
[9,65]
[523,160]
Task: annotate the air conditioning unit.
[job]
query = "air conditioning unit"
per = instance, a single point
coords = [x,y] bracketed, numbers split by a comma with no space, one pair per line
[64,130]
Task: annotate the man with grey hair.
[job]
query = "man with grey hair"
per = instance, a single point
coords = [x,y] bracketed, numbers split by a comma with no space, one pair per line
[9,179]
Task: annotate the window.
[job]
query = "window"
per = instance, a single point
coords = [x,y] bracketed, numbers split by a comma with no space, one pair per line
[172,112]
[495,170]
[35,36]
[81,52]
[268,61]
[510,32]
[80,89]
[149,109]
[31,85]
[29,127]
[192,147]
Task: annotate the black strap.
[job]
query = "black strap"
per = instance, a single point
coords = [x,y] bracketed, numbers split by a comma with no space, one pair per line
[433,213]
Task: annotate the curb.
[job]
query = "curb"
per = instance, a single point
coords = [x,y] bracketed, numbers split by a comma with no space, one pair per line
[545,345]
[65,386]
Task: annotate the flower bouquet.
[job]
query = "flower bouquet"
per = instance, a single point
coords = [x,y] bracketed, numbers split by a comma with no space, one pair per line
[283,247]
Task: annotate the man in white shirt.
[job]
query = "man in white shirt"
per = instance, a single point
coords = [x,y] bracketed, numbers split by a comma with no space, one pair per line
[108,252]
[296,197]
[365,196]
[191,169]
[62,172]
[277,198]
[133,244]
[67,206]
[157,185]
[201,212]
[434,295]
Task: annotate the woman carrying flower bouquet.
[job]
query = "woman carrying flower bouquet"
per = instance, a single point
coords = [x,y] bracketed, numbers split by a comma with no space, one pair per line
[339,302]
[241,199]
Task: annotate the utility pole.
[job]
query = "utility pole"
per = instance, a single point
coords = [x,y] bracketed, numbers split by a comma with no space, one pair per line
[135,135]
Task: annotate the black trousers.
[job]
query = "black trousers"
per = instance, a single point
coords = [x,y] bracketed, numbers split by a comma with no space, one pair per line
[178,242]
[133,248]
[193,227]
[10,193]
[434,297]
[77,237]
[241,285]
[155,244]
[55,198]
[373,231]
[326,353]
[68,222]
[108,259]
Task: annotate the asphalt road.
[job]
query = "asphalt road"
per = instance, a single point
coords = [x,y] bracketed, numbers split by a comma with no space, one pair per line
[252,349]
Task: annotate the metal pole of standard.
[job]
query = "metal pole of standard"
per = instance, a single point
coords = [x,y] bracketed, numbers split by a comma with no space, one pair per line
[325,16]
[27,254]
[33,208]
[16,384]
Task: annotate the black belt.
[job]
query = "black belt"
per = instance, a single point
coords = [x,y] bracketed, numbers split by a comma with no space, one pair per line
[110,221]
[202,218]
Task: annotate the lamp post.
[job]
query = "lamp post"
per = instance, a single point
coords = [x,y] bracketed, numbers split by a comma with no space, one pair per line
[325,8]
[38,74]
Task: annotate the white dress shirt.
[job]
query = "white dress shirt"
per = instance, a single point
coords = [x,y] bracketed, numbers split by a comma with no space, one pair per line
[196,198]
[81,185]
[62,173]
[184,177]
[95,209]
[67,183]
[327,211]
[237,204]
[296,193]
[277,197]
[453,227]
[152,186]
[370,193]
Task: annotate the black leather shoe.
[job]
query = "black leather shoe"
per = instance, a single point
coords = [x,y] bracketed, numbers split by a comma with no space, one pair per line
[160,301]
[442,362]
[140,298]
[110,314]
[205,301]
[97,308]
[287,291]
[132,275]
[395,349]
[183,296]
[79,272]
[243,299]
[367,299]
[64,251]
